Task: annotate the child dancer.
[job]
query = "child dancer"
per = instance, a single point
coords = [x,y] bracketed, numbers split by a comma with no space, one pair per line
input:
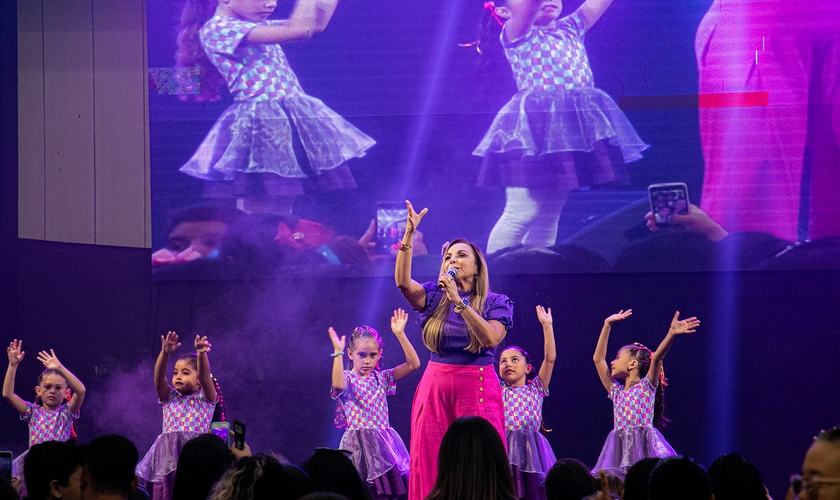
[274,136]
[558,132]
[52,414]
[638,403]
[529,453]
[187,411]
[379,453]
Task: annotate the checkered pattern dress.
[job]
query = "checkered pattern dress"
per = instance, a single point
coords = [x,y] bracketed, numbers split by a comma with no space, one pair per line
[184,417]
[528,450]
[45,425]
[271,113]
[634,436]
[376,447]
[557,110]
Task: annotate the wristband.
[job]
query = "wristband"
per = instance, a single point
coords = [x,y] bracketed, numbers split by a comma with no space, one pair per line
[337,354]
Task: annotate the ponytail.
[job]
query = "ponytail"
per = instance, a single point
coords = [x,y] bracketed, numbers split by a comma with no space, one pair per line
[220,412]
[644,356]
[190,51]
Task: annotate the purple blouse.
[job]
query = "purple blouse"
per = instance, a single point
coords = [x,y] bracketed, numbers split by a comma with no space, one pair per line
[455,337]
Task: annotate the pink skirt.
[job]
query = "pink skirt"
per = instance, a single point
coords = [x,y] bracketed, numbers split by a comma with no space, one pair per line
[447,392]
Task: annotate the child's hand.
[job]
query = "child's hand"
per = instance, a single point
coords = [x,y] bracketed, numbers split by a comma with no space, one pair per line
[544,316]
[398,321]
[338,344]
[49,360]
[685,326]
[202,345]
[170,343]
[622,314]
[15,352]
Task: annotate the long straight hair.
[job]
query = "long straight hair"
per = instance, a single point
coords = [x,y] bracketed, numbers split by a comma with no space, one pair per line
[433,329]
[472,463]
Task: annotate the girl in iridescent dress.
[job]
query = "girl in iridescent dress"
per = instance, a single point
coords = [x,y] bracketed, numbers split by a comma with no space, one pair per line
[529,452]
[188,406]
[379,453]
[558,132]
[274,140]
[638,401]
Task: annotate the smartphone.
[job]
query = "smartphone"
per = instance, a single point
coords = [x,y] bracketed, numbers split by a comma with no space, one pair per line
[221,429]
[6,465]
[390,225]
[666,200]
[239,435]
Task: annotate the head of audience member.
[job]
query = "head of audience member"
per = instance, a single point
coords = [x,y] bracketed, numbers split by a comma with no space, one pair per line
[8,492]
[614,482]
[821,468]
[636,480]
[109,468]
[53,470]
[569,479]
[201,463]
[733,477]
[679,478]
[333,471]
[261,477]
[472,463]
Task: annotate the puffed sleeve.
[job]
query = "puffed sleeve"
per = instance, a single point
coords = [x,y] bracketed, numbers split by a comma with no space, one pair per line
[500,308]
[224,35]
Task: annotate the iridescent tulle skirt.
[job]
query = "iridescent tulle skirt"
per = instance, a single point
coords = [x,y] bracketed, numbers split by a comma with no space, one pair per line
[295,137]
[544,128]
[162,457]
[624,447]
[381,458]
[530,457]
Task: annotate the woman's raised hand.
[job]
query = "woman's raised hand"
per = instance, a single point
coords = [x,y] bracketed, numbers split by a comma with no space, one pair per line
[338,343]
[413,217]
[169,343]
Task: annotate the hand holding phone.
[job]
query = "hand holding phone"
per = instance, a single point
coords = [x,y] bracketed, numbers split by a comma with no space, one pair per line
[6,465]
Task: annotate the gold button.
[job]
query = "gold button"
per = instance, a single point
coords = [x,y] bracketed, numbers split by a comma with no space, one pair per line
[481,389]
[481,377]
[481,400]
[481,369]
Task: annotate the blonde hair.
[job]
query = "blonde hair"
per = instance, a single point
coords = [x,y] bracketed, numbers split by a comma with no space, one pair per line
[433,329]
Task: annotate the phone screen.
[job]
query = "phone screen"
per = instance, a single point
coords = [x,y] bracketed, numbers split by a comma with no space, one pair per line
[667,200]
[6,465]
[221,429]
[390,225]
[239,435]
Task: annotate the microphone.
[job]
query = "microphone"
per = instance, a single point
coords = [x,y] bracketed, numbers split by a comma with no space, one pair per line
[451,272]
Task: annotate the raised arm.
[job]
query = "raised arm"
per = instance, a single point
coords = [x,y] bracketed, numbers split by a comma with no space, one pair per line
[412,361]
[168,345]
[205,377]
[324,12]
[600,356]
[592,10]
[678,327]
[547,366]
[302,23]
[51,362]
[411,290]
[339,383]
[15,353]
[521,15]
